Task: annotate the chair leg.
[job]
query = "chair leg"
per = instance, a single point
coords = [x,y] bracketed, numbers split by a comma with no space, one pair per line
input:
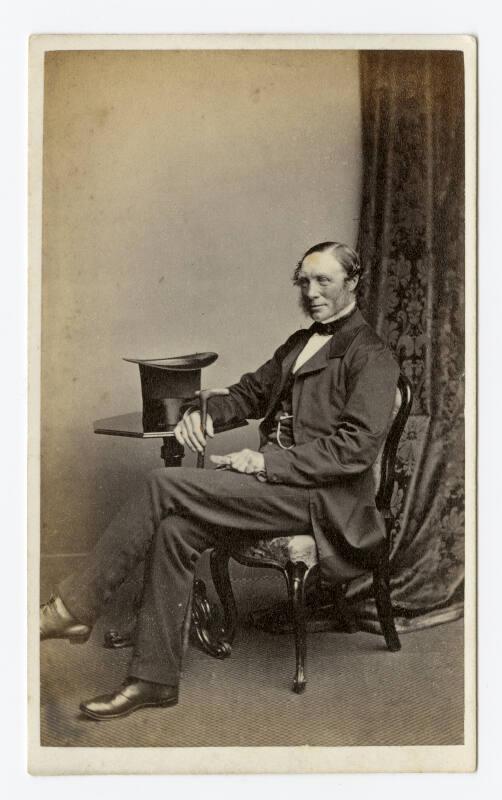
[204,628]
[295,579]
[221,578]
[381,590]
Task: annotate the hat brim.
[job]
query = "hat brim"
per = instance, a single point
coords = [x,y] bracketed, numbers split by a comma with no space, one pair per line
[191,362]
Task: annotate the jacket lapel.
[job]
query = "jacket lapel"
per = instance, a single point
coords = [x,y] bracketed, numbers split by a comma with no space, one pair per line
[287,362]
[337,345]
[316,362]
[344,337]
[291,357]
[336,348]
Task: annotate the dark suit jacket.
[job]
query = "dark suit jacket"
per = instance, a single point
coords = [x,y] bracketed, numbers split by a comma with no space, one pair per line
[343,399]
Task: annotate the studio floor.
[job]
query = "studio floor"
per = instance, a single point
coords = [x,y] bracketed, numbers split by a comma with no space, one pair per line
[357,694]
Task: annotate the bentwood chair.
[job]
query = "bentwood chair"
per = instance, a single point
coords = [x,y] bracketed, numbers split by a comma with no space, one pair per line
[296,557]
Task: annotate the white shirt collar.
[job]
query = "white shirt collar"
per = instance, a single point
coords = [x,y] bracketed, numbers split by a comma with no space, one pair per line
[318,340]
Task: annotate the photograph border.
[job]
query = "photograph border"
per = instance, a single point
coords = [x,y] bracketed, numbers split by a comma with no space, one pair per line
[143,760]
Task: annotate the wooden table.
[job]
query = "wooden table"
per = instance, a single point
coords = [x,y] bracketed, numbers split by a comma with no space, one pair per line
[132,425]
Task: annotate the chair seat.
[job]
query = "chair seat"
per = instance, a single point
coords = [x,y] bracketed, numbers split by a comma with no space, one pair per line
[278,551]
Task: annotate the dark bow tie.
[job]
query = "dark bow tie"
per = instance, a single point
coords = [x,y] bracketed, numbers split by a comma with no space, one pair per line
[326,329]
[329,328]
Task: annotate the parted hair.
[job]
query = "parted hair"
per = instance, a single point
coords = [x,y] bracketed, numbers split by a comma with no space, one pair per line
[344,254]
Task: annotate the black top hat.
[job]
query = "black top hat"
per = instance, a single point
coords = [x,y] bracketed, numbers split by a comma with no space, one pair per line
[166,383]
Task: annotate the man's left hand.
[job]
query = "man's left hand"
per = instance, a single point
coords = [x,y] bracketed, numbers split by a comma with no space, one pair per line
[248,461]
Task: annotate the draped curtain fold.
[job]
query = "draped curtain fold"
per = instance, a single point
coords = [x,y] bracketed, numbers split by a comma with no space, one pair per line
[411,241]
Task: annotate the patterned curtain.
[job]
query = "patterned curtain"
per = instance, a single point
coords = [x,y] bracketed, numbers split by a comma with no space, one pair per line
[411,242]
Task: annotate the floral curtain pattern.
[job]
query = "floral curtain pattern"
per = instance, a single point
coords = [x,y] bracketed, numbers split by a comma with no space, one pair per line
[411,242]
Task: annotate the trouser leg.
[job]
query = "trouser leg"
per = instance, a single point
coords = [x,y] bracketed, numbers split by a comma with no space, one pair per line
[211,500]
[122,546]
[169,571]
[215,509]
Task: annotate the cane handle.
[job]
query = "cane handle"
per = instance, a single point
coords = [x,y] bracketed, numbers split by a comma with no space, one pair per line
[204,396]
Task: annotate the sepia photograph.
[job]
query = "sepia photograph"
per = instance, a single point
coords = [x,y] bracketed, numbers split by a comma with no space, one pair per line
[252,403]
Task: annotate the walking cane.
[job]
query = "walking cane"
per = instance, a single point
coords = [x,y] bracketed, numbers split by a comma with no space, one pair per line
[204,396]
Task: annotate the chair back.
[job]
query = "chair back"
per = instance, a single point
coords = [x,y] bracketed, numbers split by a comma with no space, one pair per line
[386,462]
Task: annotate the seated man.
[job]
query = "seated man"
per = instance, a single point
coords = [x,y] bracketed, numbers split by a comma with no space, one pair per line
[326,398]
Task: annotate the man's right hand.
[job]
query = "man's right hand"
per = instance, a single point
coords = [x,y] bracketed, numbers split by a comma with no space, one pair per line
[188,431]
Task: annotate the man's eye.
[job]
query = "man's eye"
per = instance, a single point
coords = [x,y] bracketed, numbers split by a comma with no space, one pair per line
[323,281]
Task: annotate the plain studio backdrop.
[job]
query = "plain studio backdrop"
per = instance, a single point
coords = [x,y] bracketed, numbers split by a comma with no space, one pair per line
[180,189]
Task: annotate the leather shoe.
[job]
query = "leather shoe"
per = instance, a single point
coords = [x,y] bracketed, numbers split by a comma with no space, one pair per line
[131,696]
[56,622]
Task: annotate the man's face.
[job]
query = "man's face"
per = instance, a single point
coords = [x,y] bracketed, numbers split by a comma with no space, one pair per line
[325,289]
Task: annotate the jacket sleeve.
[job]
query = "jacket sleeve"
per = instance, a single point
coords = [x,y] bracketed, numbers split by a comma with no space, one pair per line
[359,432]
[250,396]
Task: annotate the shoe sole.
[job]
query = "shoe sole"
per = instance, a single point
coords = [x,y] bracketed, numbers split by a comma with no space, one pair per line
[99,718]
[71,639]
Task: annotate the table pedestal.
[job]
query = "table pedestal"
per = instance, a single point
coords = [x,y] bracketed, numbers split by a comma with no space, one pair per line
[172,452]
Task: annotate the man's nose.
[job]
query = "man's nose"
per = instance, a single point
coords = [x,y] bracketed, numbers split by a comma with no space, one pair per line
[313,290]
